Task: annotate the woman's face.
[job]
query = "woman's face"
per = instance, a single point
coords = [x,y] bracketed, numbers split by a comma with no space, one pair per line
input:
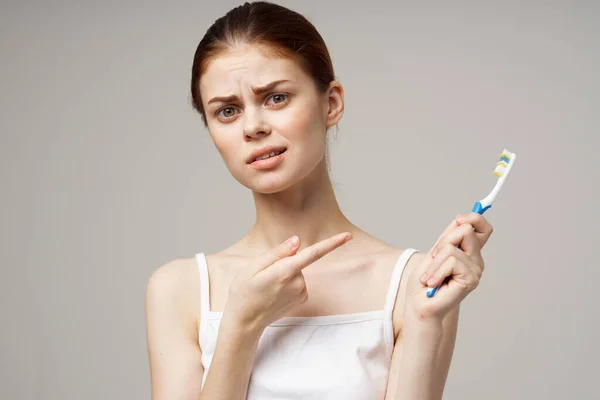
[254,103]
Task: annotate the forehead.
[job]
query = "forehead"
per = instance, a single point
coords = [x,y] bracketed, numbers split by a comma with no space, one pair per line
[247,66]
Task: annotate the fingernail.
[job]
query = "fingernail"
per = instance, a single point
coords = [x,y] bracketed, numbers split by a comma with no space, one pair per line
[430,282]
[293,241]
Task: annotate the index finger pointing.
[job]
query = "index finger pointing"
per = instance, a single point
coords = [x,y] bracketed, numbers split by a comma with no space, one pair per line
[294,264]
[285,249]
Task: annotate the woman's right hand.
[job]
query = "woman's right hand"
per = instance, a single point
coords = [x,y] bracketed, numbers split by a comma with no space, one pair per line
[273,283]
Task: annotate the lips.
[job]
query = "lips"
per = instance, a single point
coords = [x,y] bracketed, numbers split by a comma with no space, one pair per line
[256,154]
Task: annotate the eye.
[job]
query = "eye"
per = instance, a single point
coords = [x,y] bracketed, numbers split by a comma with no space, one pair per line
[278,98]
[226,112]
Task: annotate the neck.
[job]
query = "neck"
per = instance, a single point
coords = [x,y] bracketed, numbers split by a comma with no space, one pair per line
[309,210]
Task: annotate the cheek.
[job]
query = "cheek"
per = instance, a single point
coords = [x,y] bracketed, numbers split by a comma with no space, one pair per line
[220,143]
[224,144]
[305,124]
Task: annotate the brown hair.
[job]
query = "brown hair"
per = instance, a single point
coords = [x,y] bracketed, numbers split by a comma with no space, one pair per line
[280,31]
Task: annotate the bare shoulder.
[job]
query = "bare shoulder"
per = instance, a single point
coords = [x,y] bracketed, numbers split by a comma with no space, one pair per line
[176,285]
[173,276]
[389,255]
[398,315]
[172,312]
[416,259]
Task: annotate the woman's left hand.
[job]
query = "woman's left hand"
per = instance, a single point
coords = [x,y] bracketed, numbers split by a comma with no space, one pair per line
[458,270]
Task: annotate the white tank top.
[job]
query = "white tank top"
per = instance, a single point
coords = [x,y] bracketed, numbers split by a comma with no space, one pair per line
[334,357]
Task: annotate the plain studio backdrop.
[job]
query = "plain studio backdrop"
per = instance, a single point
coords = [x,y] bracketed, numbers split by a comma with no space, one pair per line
[108,173]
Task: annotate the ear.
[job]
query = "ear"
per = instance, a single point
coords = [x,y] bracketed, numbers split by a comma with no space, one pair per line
[335,103]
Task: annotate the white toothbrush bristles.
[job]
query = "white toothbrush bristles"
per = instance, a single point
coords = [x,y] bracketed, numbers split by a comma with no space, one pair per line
[503,167]
[504,164]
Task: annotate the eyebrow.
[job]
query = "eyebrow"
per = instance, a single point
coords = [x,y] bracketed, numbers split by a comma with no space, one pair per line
[256,90]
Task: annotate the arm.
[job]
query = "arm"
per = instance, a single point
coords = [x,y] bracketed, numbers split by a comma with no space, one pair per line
[231,367]
[422,356]
[175,357]
[174,354]
[421,360]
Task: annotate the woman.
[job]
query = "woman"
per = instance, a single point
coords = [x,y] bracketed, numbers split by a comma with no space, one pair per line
[301,311]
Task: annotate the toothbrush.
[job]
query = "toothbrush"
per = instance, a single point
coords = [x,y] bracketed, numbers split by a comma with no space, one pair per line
[503,167]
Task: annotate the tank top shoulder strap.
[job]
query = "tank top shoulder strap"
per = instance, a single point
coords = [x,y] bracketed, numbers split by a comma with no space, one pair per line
[204,284]
[390,300]
[394,285]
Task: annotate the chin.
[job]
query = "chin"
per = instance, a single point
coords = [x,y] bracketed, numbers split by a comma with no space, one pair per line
[270,184]
[266,182]
[276,180]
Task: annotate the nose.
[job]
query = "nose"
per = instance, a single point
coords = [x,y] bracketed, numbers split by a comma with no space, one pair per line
[254,125]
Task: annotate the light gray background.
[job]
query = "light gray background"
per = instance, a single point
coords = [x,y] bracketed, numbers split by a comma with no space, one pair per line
[107,173]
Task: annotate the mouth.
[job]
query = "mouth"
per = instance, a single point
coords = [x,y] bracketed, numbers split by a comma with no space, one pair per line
[266,154]
[268,160]
[269,155]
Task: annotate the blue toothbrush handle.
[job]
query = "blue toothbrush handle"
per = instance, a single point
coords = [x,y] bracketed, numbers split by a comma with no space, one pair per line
[479,209]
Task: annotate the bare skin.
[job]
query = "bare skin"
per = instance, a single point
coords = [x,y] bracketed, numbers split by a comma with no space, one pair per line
[362,265]
[323,273]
